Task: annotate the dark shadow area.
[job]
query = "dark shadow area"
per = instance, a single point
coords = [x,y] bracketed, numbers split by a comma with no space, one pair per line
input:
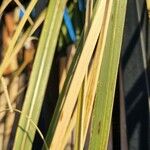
[134,76]
[137,112]
[132,32]
[116,120]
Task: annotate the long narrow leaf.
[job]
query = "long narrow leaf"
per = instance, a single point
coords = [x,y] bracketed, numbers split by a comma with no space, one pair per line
[95,69]
[101,118]
[39,76]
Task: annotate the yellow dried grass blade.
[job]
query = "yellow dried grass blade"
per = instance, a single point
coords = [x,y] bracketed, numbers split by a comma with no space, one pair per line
[79,144]
[69,130]
[6,94]
[148,7]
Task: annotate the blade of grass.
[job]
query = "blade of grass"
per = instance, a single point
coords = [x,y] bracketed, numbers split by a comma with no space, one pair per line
[6,94]
[80,118]
[69,133]
[39,76]
[81,99]
[69,130]
[95,69]
[148,7]
[101,118]
[70,91]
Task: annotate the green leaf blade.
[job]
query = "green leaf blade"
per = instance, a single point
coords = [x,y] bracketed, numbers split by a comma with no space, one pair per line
[39,76]
[102,112]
